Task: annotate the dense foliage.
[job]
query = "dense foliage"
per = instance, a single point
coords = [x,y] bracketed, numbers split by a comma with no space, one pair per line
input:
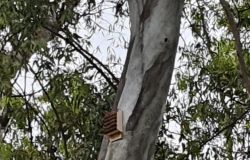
[54,90]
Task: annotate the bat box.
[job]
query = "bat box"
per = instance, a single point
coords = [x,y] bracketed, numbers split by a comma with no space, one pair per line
[112,125]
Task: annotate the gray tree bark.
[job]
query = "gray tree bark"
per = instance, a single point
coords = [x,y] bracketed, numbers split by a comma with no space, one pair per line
[146,78]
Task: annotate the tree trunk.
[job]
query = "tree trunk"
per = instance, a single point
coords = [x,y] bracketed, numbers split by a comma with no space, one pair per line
[146,78]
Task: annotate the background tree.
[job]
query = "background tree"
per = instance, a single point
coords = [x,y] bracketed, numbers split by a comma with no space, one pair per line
[211,115]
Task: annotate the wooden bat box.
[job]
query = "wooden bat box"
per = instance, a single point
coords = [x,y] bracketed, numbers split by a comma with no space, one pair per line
[112,125]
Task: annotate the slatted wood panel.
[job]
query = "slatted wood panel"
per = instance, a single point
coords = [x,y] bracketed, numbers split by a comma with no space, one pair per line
[112,125]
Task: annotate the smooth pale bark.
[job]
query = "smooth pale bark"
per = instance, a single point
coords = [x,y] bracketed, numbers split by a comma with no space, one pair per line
[146,77]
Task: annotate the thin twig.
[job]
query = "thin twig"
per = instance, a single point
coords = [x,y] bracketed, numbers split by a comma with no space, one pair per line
[205,30]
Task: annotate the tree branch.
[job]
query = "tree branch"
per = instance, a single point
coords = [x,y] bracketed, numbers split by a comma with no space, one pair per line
[55,111]
[89,57]
[36,112]
[230,125]
[205,30]
[239,51]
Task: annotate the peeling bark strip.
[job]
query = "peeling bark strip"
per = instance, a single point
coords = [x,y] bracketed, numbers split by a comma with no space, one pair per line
[147,8]
[123,78]
[160,73]
[145,82]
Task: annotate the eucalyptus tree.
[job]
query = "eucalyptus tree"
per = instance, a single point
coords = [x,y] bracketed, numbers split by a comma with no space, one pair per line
[146,77]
